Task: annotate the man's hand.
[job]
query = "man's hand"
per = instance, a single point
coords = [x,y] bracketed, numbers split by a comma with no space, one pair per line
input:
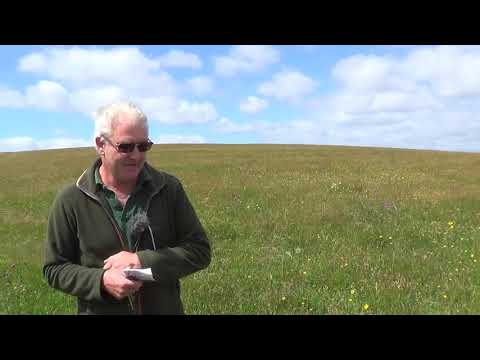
[116,284]
[122,260]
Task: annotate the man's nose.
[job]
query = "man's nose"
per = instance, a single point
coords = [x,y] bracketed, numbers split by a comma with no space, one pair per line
[136,153]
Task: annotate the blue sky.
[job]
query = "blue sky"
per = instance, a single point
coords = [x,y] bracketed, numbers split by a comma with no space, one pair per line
[420,97]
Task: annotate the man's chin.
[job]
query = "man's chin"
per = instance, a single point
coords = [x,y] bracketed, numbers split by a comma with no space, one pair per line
[130,175]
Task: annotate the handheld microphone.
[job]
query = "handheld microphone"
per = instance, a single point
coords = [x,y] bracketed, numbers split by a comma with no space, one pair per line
[137,224]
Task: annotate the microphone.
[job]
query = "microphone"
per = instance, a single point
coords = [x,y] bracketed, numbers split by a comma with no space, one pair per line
[136,225]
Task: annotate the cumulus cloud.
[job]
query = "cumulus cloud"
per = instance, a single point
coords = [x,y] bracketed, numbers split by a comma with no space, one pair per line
[11,98]
[367,72]
[164,109]
[451,70]
[288,85]
[225,125]
[35,63]
[21,143]
[61,143]
[180,139]
[447,71]
[310,48]
[425,99]
[179,58]
[172,111]
[82,79]
[83,70]
[246,59]
[294,132]
[87,99]
[80,67]
[196,113]
[437,129]
[386,101]
[253,104]
[200,85]
[26,143]
[47,95]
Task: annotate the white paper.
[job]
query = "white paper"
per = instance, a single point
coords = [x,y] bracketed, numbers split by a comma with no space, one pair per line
[139,274]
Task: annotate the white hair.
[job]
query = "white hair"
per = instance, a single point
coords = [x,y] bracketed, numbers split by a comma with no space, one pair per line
[106,116]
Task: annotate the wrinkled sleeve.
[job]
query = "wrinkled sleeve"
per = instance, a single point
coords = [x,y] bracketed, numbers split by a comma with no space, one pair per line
[192,251]
[61,268]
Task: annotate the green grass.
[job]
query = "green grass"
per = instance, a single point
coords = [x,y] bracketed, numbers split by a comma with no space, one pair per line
[294,229]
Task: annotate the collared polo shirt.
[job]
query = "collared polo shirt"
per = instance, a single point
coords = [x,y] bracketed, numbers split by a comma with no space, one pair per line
[136,201]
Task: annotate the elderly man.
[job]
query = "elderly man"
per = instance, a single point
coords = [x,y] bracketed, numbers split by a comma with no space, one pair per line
[120,214]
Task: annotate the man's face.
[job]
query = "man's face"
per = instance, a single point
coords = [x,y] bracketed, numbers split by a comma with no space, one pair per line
[125,167]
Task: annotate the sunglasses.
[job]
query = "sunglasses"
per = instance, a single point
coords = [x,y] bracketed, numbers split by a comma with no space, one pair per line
[129,147]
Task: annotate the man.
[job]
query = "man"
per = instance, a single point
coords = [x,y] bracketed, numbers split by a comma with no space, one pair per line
[91,238]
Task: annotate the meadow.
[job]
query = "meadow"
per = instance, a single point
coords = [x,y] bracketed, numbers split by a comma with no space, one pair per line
[294,229]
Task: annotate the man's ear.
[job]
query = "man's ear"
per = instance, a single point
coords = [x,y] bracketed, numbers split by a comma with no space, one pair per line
[100,143]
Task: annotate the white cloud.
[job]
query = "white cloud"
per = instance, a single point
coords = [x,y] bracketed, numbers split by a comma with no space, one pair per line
[180,139]
[87,100]
[310,48]
[27,143]
[196,113]
[449,128]
[35,62]
[425,79]
[200,85]
[22,143]
[172,111]
[447,71]
[372,73]
[80,67]
[361,71]
[61,143]
[253,104]
[427,99]
[95,77]
[423,97]
[352,102]
[397,101]
[164,109]
[225,125]
[294,132]
[451,70]
[11,98]
[47,95]
[179,58]
[246,58]
[288,85]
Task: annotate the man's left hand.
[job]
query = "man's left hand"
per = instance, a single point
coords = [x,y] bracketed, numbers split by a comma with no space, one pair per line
[122,260]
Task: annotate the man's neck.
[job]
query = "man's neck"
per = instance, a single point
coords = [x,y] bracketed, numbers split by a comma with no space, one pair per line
[113,184]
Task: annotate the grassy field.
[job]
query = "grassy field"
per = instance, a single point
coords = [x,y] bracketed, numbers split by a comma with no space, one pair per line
[294,229]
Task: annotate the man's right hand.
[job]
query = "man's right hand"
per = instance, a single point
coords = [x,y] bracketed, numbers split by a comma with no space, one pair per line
[117,285]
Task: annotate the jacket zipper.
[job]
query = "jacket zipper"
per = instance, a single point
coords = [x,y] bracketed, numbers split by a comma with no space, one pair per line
[147,207]
[119,235]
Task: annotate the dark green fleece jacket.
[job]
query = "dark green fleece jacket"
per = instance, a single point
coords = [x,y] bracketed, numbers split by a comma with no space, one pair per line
[82,233]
